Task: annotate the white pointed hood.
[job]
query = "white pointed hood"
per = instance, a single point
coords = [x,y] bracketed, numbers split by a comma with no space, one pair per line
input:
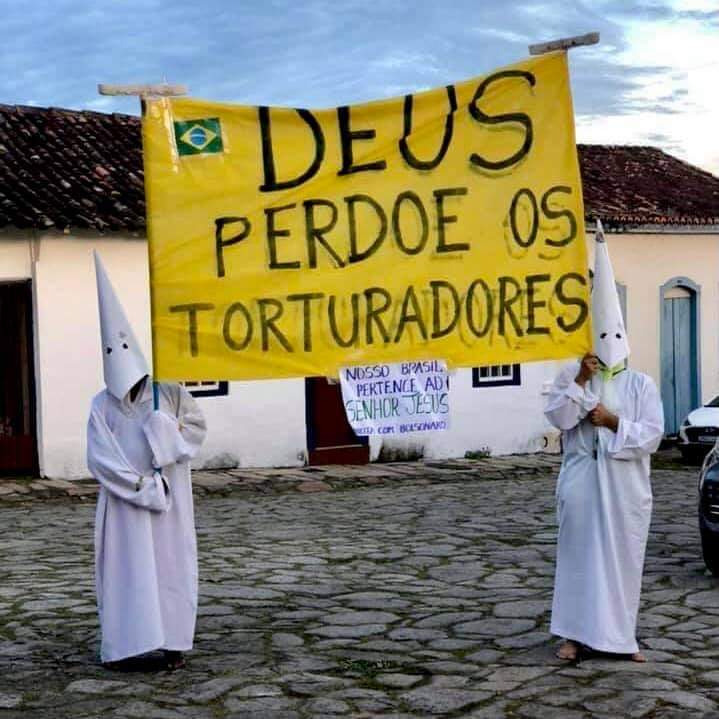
[123,362]
[610,335]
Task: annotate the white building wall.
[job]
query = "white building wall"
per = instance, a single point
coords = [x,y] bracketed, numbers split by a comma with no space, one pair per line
[259,423]
[68,361]
[15,254]
[263,423]
[644,262]
[500,420]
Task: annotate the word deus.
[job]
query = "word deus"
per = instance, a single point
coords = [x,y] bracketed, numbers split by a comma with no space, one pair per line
[535,304]
[349,136]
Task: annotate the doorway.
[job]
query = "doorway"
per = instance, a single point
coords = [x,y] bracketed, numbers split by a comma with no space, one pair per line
[18,437]
[679,351]
[330,439]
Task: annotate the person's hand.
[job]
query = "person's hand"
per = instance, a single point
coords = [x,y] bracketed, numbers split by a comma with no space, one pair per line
[600,416]
[161,430]
[589,366]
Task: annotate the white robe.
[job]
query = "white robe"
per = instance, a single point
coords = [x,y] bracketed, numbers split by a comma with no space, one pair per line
[604,506]
[145,544]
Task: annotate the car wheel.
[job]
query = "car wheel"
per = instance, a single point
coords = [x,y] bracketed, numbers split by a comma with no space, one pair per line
[710,550]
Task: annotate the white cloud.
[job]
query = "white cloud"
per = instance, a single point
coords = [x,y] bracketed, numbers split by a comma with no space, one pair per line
[323,53]
[103,103]
[679,104]
[501,34]
[422,63]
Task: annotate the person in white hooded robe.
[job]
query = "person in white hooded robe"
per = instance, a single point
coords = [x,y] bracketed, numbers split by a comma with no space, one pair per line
[612,420]
[145,542]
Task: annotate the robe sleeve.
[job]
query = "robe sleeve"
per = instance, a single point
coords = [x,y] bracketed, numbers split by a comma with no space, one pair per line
[640,438]
[568,403]
[176,439]
[109,466]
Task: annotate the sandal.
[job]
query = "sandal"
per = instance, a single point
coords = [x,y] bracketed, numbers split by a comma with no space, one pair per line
[568,651]
[174,660]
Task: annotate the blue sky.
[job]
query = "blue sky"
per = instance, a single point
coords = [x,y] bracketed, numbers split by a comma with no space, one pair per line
[650,81]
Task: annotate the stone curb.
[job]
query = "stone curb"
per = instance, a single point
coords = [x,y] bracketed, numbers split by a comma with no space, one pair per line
[305,480]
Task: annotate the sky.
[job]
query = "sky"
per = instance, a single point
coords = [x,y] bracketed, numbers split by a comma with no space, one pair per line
[650,81]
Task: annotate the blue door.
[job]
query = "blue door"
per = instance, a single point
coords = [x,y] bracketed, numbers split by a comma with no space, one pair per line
[679,366]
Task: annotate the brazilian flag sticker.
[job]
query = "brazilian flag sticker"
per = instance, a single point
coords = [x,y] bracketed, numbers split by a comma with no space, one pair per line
[198,137]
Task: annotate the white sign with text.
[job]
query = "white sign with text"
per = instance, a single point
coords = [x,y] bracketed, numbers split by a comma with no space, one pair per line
[396,398]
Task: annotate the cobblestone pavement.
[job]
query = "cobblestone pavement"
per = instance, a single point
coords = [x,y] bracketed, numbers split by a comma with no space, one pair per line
[302,479]
[426,595]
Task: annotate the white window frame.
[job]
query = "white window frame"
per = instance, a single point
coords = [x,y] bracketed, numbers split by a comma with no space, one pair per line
[504,375]
[218,388]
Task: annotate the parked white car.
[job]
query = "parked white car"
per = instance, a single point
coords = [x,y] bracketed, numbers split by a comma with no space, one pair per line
[699,431]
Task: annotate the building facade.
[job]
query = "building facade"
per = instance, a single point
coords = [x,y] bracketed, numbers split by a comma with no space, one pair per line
[259,423]
[71,183]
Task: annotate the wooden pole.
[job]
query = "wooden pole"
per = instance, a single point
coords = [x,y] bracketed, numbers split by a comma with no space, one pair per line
[143,91]
[565,43]
[158,90]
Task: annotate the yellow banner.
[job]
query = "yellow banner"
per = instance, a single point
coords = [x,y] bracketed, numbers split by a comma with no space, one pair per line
[445,224]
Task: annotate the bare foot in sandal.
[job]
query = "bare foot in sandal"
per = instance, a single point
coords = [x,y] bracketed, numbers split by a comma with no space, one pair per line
[568,651]
[638,657]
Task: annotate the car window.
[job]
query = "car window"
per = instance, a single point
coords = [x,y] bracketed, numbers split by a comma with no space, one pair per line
[713,403]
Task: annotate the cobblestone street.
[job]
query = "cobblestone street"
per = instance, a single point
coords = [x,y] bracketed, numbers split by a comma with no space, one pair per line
[427,595]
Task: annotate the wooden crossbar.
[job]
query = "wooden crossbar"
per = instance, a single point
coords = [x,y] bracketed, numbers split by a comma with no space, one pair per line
[158,90]
[565,43]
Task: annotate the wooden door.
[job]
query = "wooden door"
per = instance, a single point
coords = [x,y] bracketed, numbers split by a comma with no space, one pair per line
[18,445]
[330,439]
[679,365]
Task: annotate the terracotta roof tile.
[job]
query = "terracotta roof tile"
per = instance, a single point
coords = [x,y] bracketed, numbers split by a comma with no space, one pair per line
[65,168]
[80,169]
[638,185]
